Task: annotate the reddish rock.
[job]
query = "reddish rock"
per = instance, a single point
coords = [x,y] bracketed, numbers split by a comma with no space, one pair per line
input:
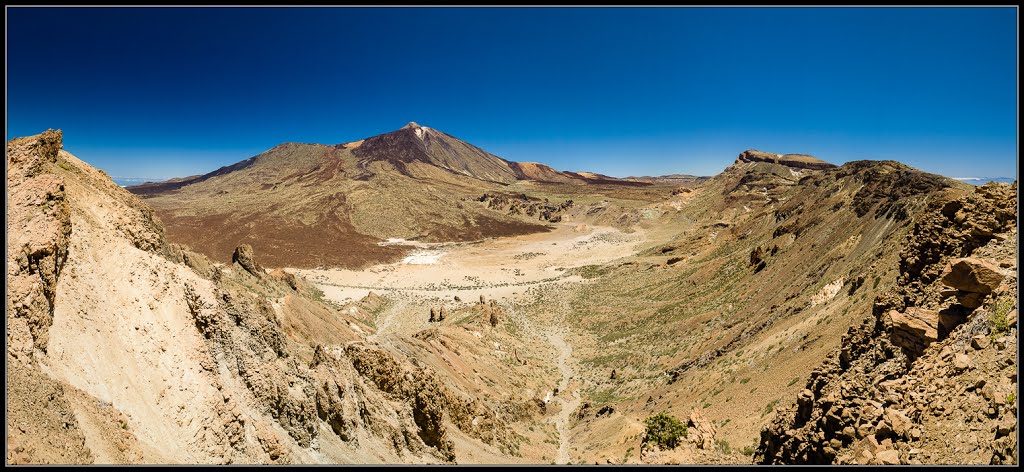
[971,274]
[915,329]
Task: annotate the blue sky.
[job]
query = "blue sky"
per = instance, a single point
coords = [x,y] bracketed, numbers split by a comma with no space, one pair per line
[164,92]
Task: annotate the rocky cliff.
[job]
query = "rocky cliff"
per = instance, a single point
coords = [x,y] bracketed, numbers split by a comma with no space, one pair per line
[800,161]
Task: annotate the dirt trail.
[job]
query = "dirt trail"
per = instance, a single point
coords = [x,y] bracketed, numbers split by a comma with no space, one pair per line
[568,406]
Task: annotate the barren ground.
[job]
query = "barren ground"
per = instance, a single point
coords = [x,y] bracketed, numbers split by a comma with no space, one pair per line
[507,269]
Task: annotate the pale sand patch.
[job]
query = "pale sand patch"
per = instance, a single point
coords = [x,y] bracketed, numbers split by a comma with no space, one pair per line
[423,258]
[505,269]
[828,292]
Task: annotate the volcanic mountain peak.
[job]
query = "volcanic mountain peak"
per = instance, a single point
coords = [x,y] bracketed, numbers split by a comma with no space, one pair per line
[420,131]
[422,145]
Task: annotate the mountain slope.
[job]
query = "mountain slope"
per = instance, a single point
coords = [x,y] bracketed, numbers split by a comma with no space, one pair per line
[124,348]
[895,394]
[765,268]
[309,205]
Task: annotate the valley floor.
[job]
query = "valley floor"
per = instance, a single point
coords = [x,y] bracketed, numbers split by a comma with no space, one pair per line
[504,269]
[514,271]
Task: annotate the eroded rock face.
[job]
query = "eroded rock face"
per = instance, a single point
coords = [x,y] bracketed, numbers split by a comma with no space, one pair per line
[243,256]
[39,227]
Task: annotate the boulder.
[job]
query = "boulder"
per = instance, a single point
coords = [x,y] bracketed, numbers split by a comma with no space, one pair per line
[898,422]
[888,457]
[971,274]
[914,329]
[961,362]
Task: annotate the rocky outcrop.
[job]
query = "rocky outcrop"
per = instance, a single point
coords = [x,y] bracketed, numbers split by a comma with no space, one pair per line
[521,204]
[799,161]
[917,367]
[243,256]
[700,431]
[286,278]
[39,228]
[494,314]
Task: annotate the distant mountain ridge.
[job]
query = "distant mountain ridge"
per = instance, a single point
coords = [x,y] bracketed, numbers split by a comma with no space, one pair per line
[129,181]
[985,180]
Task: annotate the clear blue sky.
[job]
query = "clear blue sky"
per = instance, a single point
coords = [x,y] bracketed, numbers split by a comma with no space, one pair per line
[169,92]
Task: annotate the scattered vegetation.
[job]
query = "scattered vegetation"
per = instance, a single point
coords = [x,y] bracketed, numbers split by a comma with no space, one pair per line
[629,453]
[664,430]
[603,396]
[998,319]
[592,271]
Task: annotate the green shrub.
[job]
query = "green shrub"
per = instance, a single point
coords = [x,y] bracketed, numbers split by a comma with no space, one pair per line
[664,430]
[998,318]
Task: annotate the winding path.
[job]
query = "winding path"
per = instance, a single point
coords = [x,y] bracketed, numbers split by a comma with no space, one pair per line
[568,406]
